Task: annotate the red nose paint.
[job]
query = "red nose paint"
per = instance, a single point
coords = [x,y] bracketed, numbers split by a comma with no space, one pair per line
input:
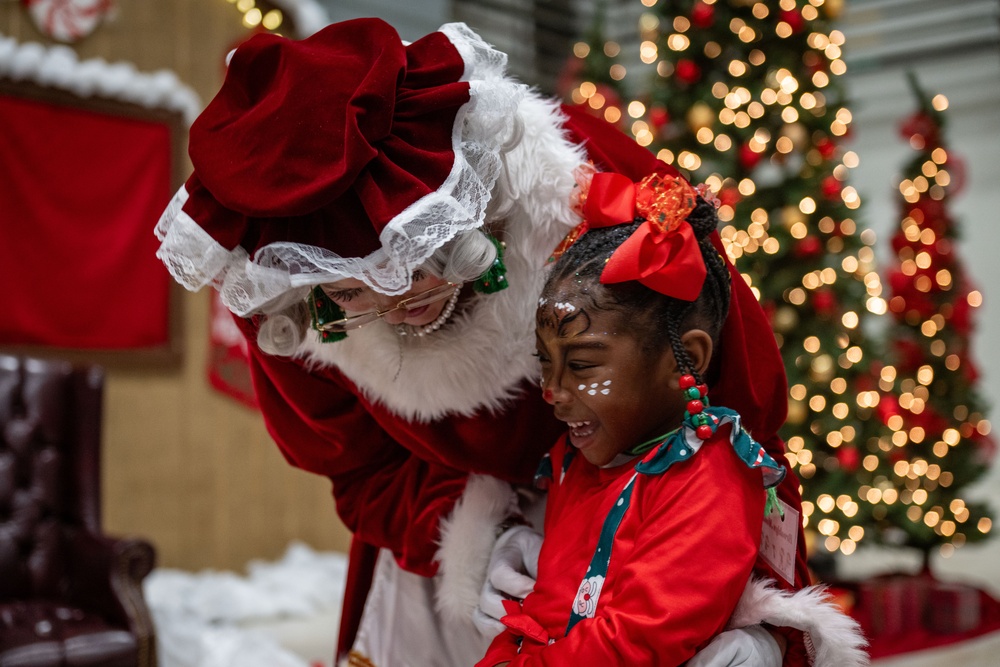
[547,395]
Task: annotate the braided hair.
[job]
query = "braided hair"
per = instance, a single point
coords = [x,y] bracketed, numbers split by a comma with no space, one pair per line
[665,318]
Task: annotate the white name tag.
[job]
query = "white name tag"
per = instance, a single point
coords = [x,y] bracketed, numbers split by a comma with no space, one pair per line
[778,540]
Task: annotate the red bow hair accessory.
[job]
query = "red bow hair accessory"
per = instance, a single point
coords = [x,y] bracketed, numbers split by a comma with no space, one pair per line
[663,253]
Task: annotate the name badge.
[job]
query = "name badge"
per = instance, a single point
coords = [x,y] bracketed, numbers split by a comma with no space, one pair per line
[778,540]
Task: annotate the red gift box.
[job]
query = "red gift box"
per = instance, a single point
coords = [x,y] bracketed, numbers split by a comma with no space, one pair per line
[953,608]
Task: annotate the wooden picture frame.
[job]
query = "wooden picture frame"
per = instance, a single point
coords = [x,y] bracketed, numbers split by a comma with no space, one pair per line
[176,118]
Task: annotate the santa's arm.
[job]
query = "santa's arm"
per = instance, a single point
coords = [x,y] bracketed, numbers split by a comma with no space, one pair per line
[384,494]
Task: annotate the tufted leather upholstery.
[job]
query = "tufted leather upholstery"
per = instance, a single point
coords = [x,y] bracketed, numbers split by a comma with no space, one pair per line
[69,595]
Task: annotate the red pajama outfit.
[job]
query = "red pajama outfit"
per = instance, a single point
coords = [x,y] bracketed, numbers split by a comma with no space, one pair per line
[681,557]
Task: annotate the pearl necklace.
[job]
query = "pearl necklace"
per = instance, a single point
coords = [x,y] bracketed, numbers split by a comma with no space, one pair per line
[449,308]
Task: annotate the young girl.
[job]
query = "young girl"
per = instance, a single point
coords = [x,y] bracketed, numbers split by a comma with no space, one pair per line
[656,499]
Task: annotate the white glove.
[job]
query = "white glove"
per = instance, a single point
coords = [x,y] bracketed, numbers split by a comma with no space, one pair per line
[511,575]
[743,647]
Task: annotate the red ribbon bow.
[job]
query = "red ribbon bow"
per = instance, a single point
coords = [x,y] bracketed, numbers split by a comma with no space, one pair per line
[663,253]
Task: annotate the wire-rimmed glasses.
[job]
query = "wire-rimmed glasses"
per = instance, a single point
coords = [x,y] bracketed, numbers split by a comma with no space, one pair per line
[424,298]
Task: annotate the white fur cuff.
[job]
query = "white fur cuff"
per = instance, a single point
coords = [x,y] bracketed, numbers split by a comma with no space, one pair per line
[833,639]
[467,539]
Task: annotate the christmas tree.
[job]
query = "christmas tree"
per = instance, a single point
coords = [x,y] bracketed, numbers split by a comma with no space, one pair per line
[744,96]
[940,438]
[593,76]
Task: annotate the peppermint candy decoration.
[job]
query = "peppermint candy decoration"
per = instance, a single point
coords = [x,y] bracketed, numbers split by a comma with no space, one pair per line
[67,20]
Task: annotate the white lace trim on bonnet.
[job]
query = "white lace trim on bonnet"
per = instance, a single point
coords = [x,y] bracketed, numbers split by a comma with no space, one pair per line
[282,273]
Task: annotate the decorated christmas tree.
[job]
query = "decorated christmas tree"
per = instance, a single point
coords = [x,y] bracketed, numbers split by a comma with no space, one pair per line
[940,437]
[593,76]
[744,96]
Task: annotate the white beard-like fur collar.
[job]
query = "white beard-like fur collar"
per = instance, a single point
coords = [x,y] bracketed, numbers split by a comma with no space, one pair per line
[480,358]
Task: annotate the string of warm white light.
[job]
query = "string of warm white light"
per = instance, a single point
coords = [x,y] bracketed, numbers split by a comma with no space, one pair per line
[254,16]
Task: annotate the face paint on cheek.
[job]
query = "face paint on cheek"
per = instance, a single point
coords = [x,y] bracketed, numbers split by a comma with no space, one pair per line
[596,388]
[547,395]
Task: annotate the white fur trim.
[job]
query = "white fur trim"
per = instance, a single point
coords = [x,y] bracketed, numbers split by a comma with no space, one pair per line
[478,360]
[58,67]
[833,638]
[467,539]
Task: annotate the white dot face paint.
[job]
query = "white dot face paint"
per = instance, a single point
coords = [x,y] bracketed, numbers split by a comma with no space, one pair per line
[595,388]
[542,301]
[564,306]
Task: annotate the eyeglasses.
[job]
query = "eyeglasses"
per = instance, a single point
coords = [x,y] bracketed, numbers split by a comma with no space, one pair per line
[424,298]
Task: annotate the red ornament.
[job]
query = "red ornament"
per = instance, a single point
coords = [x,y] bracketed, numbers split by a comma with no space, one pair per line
[824,302]
[909,354]
[695,406]
[704,432]
[960,318]
[729,197]
[826,148]
[702,15]
[687,71]
[888,406]
[687,381]
[793,19]
[703,390]
[748,157]
[923,126]
[831,187]
[808,247]
[849,458]
[658,116]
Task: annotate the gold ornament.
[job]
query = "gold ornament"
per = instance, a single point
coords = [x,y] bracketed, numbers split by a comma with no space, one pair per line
[798,134]
[790,215]
[699,116]
[797,412]
[821,368]
[785,319]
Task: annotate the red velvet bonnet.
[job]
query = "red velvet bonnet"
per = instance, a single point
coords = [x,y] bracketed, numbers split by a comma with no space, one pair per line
[346,154]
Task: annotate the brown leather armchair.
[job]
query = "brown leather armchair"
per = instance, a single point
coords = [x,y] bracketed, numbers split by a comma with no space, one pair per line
[69,595]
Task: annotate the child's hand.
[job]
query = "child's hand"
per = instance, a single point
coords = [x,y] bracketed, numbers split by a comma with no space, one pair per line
[743,647]
[510,576]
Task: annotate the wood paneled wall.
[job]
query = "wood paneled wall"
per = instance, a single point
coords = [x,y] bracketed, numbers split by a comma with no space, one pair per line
[184,466]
